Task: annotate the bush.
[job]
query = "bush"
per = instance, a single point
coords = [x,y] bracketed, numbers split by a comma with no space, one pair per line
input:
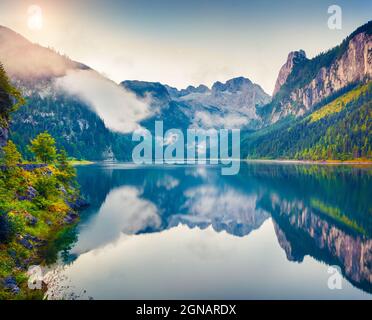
[46,186]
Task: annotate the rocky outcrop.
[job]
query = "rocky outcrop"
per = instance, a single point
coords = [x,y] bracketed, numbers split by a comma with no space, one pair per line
[352,66]
[29,194]
[29,167]
[294,57]
[10,284]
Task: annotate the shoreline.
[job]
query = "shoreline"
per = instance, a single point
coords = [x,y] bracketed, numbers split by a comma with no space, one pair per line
[283,161]
[321,162]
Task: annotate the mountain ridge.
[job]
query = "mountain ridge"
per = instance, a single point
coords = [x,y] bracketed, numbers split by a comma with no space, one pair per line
[312,80]
[303,85]
[230,104]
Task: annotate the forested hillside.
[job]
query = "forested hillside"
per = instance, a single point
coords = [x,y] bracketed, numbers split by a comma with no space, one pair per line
[80,131]
[38,201]
[338,129]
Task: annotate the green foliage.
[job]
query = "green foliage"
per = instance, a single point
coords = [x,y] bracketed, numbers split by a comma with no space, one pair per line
[66,172]
[77,129]
[46,186]
[10,98]
[338,104]
[10,157]
[54,184]
[336,214]
[12,179]
[44,148]
[339,130]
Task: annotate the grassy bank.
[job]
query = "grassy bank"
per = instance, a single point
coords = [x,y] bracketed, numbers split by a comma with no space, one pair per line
[75,162]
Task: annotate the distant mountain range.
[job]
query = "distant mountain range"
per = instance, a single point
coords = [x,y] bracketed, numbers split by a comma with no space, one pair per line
[313,102]
[232,104]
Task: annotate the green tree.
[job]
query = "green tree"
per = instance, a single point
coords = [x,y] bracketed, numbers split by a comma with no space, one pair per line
[66,170]
[11,178]
[44,148]
[11,157]
[12,92]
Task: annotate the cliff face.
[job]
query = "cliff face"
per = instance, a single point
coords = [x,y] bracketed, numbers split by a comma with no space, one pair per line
[294,57]
[354,65]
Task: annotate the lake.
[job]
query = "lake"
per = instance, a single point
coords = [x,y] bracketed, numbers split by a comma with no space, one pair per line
[186,232]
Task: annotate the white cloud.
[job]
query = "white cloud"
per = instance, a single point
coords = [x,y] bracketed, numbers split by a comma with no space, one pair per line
[119,109]
[229,121]
[122,212]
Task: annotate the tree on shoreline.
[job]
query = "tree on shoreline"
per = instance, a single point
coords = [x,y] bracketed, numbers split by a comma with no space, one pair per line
[44,148]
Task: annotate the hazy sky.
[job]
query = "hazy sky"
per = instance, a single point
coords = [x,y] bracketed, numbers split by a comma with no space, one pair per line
[185,42]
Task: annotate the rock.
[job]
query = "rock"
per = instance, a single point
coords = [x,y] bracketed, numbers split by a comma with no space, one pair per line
[293,58]
[39,242]
[31,167]
[81,203]
[70,217]
[10,283]
[31,192]
[29,237]
[24,242]
[77,204]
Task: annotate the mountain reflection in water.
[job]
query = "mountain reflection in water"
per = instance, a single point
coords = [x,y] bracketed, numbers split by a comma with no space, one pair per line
[319,211]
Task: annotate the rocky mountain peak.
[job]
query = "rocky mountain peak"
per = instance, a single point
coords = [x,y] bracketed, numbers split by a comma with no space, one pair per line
[191,89]
[232,85]
[293,58]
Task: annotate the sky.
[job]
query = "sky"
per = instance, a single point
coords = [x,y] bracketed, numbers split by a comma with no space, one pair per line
[183,43]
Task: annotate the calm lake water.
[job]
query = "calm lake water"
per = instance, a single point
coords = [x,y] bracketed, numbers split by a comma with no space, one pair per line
[186,232]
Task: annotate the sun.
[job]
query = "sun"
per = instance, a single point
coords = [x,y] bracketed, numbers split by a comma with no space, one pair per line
[35,17]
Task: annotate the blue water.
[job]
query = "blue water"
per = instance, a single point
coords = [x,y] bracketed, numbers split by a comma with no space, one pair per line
[186,232]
